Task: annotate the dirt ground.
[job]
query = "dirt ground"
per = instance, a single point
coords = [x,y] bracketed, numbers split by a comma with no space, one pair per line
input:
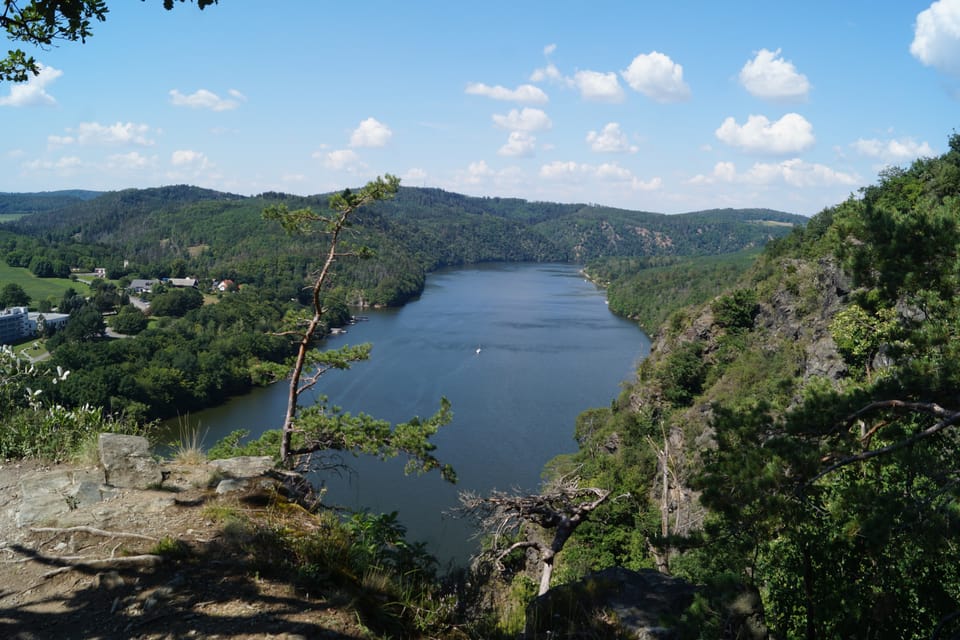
[91,575]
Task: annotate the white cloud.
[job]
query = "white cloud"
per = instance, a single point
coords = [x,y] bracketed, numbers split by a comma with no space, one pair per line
[519,144]
[414,174]
[613,171]
[525,93]
[558,170]
[65,163]
[529,119]
[893,151]
[204,99]
[722,172]
[658,77]
[480,177]
[610,140]
[654,184]
[478,172]
[790,134]
[132,160]
[770,77]
[189,158]
[94,133]
[797,173]
[549,49]
[33,92]
[936,36]
[342,160]
[610,173]
[598,86]
[371,133]
[794,172]
[725,171]
[549,72]
[60,141]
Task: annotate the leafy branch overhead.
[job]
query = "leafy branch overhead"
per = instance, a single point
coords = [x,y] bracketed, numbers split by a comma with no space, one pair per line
[44,23]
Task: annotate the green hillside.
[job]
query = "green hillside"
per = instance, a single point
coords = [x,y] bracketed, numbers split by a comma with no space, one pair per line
[793,442]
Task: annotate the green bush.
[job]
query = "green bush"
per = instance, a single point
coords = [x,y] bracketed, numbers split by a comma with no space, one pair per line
[735,310]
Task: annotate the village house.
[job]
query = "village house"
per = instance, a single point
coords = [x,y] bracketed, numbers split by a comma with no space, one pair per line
[139,286]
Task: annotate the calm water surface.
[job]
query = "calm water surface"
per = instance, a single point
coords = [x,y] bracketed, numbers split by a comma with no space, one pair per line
[548,349]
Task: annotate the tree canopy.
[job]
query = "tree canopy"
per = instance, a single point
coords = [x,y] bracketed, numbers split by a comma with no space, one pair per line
[13,295]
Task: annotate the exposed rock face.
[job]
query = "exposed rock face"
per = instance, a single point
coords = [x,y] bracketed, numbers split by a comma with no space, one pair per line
[804,317]
[127,462]
[631,604]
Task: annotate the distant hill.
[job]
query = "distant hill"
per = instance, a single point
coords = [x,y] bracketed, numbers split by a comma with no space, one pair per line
[219,234]
[578,232]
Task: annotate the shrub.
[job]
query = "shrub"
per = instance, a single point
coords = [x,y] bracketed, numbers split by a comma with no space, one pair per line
[736,310]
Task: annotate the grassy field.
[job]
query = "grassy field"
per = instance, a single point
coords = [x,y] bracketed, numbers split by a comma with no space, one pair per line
[34,348]
[39,288]
[10,217]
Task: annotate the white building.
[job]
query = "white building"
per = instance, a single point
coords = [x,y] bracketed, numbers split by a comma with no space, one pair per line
[16,323]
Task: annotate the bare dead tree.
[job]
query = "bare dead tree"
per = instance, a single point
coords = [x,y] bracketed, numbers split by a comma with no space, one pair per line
[562,507]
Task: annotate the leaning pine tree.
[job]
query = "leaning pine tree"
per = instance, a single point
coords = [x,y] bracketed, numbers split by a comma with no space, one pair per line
[317,429]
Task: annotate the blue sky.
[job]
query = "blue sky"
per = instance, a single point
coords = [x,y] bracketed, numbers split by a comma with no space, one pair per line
[653,106]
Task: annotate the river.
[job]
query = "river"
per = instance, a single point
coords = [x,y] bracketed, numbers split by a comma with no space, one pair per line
[518,349]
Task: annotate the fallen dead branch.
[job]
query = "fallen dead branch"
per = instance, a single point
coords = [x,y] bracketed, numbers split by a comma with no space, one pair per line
[125,562]
[93,531]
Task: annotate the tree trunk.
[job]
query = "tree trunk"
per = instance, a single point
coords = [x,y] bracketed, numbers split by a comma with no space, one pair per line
[547,573]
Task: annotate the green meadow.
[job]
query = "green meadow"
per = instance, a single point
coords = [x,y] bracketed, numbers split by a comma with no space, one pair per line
[39,288]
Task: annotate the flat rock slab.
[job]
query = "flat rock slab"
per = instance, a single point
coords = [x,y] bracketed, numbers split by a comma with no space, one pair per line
[46,496]
[128,462]
[244,466]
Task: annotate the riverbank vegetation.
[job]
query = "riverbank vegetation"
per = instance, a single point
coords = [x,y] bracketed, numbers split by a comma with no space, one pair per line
[652,289]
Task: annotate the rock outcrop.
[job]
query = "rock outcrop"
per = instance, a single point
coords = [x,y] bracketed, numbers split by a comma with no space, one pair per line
[128,462]
[631,604]
[128,474]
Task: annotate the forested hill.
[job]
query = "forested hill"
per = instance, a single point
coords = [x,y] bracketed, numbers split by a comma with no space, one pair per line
[202,232]
[800,431]
[575,232]
[30,203]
